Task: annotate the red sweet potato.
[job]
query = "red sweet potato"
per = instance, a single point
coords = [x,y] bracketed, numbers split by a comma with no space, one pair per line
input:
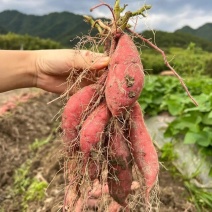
[114,207]
[125,78]
[143,150]
[72,115]
[93,128]
[93,168]
[91,134]
[120,167]
[88,204]
[98,190]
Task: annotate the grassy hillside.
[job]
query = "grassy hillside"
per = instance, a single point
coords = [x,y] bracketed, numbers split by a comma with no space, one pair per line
[2,30]
[177,39]
[190,61]
[61,27]
[204,31]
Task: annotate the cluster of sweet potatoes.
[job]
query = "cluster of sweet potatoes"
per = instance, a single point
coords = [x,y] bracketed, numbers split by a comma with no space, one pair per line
[110,152]
[103,124]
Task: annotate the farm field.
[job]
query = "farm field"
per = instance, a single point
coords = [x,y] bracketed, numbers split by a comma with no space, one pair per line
[31,162]
[32,157]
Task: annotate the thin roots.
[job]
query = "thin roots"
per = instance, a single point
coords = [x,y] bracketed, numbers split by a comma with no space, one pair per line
[81,190]
[79,186]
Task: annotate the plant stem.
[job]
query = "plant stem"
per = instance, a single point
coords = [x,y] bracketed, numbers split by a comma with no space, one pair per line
[140,11]
[93,23]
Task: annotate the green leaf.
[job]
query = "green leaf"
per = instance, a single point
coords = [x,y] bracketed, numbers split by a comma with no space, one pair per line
[204,104]
[209,133]
[207,119]
[210,115]
[190,138]
[189,122]
[175,107]
[210,172]
[202,138]
[143,105]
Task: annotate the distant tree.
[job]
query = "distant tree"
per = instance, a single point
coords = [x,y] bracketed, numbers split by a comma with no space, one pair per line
[177,39]
[2,30]
[15,41]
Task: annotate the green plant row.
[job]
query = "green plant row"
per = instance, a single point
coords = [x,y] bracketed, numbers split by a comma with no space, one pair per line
[193,124]
[30,189]
[189,62]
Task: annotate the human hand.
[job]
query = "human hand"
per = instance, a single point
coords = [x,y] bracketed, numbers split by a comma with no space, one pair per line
[54,66]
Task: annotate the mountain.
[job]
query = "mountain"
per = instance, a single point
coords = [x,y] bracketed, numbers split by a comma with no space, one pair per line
[61,27]
[65,26]
[2,30]
[186,29]
[204,31]
[177,39]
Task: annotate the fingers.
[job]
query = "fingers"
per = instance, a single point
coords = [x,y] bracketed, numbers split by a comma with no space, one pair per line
[59,84]
[84,59]
[54,84]
[54,67]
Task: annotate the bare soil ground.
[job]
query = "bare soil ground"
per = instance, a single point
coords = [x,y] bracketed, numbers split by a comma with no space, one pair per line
[34,120]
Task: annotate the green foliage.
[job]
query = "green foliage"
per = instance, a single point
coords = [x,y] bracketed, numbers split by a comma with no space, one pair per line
[208,67]
[35,192]
[192,124]
[204,31]
[153,63]
[167,153]
[39,143]
[176,39]
[61,27]
[2,30]
[65,26]
[159,94]
[190,62]
[26,42]
[200,197]
[21,179]
[30,189]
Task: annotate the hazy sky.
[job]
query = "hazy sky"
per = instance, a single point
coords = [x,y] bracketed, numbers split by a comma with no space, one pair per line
[165,14]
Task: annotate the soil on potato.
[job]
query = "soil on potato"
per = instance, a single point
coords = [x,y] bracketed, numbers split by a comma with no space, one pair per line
[35,120]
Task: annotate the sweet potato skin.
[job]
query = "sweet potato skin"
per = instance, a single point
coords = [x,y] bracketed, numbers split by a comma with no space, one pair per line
[91,134]
[120,167]
[93,128]
[125,78]
[72,115]
[143,150]
[93,168]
